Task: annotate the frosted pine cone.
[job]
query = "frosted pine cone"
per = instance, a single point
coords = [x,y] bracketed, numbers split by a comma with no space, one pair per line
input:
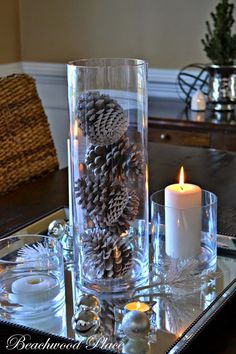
[116,161]
[92,196]
[109,206]
[107,254]
[123,207]
[101,118]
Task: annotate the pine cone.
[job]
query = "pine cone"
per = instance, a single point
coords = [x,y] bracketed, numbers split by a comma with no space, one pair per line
[101,118]
[92,196]
[122,208]
[109,206]
[116,161]
[108,254]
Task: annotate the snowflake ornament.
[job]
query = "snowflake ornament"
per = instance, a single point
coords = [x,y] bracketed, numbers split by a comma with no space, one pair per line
[37,254]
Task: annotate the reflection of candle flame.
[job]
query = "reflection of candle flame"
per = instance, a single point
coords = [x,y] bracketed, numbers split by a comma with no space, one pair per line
[81,168]
[178,335]
[76,129]
[124,234]
[138,305]
[116,253]
[181,177]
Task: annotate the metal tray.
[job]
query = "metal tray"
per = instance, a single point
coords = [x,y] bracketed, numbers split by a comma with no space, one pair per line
[179,319]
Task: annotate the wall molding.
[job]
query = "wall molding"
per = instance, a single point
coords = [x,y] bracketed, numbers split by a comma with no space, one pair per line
[161,82]
[47,73]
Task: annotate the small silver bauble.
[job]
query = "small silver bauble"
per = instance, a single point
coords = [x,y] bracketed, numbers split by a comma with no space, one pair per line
[87,301]
[135,324]
[139,346]
[85,322]
[57,228]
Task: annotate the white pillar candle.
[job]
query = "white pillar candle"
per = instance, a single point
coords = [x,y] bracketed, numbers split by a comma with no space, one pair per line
[183,219]
[34,290]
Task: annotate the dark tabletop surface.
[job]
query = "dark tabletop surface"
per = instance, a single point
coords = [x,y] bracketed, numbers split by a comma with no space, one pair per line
[210,169]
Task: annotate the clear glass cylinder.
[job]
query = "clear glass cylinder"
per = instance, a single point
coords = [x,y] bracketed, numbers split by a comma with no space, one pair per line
[32,289]
[108,140]
[184,239]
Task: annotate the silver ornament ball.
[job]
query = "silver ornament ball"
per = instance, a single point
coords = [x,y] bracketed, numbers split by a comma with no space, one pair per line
[87,301]
[85,322]
[135,325]
[57,228]
[140,346]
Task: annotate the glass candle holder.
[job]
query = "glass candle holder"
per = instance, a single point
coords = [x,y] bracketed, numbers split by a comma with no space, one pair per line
[184,240]
[108,137]
[32,289]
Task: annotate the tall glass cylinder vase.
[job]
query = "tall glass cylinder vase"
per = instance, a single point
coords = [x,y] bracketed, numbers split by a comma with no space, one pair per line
[108,131]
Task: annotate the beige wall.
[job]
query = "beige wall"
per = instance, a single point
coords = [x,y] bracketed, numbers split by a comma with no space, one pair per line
[9,31]
[165,32]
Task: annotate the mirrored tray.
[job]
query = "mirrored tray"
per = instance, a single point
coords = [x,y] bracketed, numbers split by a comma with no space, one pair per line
[177,313]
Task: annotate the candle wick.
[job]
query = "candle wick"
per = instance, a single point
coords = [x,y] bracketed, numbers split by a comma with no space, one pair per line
[181,187]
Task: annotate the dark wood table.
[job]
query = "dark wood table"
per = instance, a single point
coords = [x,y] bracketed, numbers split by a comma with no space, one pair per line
[211,169]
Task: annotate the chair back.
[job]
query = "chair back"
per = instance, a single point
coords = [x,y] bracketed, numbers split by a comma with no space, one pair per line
[26,146]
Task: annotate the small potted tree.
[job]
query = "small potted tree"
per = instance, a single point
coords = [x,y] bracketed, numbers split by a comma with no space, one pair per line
[220,47]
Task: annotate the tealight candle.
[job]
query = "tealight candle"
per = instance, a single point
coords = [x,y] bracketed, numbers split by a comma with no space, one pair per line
[34,290]
[182,219]
[198,101]
[137,306]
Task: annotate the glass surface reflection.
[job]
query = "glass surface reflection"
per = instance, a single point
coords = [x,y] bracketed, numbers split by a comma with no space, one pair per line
[32,289]
[172,315]
[175,314]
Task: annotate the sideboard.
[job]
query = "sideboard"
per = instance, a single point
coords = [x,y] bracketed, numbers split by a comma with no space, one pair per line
[170,122]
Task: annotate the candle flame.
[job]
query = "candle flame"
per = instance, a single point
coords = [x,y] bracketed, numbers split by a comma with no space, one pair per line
[138,305]
[181,177]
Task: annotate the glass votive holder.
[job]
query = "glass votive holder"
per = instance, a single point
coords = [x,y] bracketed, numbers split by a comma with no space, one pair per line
[32,290]
[184,240]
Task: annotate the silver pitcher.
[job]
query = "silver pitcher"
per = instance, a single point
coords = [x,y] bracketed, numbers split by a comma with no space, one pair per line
[222,87]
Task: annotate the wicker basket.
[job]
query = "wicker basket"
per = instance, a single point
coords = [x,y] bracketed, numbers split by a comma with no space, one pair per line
[26,147]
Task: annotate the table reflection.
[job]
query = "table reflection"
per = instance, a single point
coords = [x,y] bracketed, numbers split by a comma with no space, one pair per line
[210,116]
